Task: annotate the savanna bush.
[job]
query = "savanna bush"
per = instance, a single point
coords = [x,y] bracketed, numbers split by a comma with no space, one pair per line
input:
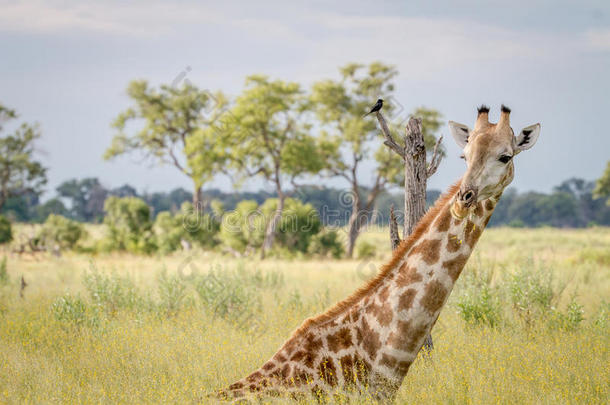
[298,224]
[172,292]
[74,310]
[61,232]
[4,278]
[244,228]
[365,250]
[112,292]
[185,225]
[326,244]
[130,227]
[6,233]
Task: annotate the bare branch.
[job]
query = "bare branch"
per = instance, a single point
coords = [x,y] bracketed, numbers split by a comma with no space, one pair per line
[389,142]
[394,238]
[436,158]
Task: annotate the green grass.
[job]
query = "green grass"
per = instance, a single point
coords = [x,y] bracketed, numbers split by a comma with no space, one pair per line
[129,332]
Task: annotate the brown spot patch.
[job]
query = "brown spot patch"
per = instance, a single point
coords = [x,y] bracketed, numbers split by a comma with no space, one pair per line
[347,368]
[399,336]
[362,369]
[388,361]
[434,296]
[279,357]
[443,222]
[370,339]
[453,243]
[309,359]
[472,233]
[342,339]
[407,276]
[416,338]
[403,367]
[405,301]
[327,371]
[268,366]
[478,211]
[454,266]
[236,386]
[301,377]
[382,312]
[489,205]
[429,250]
[254,376]
[297,356]
[384,293]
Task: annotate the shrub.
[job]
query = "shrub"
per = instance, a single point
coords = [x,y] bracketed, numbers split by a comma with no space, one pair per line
[129,225]
[298,224]
[478,306]
[532,293]
[172,293]
[112,293]
[231,296]
[244,227]
[326,244]
[6,233]
[73,310]
[61,232]
[195,228]
[365,250]
[4,278]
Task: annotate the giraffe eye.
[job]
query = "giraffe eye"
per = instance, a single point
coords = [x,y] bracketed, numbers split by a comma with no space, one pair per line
[505,158]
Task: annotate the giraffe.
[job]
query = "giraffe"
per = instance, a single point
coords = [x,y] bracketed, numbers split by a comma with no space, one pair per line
[369,340]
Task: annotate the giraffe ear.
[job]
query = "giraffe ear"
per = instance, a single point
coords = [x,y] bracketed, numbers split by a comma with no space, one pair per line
[527,138]
[460,133]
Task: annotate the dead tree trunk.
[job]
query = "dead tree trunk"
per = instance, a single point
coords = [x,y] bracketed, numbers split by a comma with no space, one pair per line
[417,172]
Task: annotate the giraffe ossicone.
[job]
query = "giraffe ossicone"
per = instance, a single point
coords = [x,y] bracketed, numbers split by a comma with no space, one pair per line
[369,340]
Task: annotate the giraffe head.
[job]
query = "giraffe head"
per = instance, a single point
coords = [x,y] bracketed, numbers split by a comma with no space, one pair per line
[488,150]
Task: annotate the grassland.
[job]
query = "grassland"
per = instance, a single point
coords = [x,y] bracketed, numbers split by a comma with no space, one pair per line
[126,329]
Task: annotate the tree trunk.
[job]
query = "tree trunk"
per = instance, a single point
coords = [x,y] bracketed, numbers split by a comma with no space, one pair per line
[416,176]
[197,199]
[277,216]
[272,225]
[353,224]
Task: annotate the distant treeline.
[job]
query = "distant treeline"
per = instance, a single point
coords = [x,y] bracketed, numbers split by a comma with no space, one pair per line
[571,204]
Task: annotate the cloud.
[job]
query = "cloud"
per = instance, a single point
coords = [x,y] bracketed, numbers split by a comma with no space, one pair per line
[598,39]
[110,17]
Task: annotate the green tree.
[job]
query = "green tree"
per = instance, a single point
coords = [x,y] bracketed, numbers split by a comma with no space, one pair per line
[268,131]
[86,196]
[177,128]
[61,232]
[339,107]
[6,233]
[185,225]
[20,173]
[602,187]
[129,225]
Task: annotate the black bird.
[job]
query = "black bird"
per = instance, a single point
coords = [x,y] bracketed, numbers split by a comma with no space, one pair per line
[376,107]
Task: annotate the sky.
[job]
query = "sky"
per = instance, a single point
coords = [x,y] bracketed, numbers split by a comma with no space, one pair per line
[66,65]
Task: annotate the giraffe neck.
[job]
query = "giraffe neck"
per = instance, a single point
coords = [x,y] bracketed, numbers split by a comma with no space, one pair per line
[404,307]
[371,338]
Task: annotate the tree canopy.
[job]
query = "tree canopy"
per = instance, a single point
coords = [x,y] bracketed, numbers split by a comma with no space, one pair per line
[20,172]
[176,127]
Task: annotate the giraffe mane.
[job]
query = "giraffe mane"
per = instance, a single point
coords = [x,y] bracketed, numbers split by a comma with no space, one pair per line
[398,254]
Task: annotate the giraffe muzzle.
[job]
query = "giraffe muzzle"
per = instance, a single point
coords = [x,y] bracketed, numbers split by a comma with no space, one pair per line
[468,197]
